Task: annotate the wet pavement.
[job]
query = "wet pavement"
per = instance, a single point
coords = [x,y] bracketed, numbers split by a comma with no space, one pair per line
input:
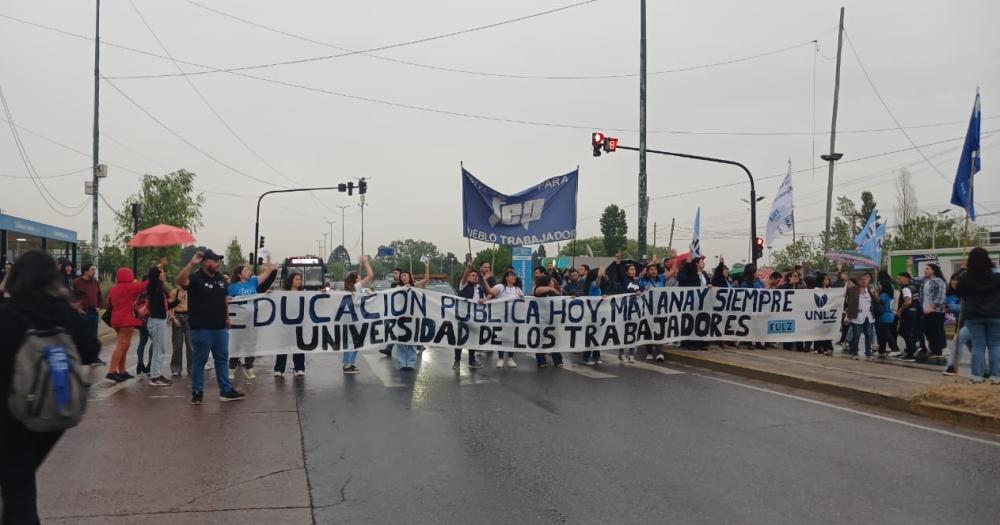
[618,443]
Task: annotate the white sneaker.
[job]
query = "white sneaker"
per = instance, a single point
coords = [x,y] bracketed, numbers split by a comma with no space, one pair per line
[659,358]
[499,363]
[588,363]
[249,374]
[649,357]
[629,359]
[511,363]
[278,374]
[300,373]
[209,366]
[232,374]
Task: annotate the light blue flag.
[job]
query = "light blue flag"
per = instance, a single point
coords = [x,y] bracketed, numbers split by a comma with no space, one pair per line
[696,241]
[873,246]
[868,231]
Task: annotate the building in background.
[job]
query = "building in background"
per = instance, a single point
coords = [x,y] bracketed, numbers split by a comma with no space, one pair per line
[19,235]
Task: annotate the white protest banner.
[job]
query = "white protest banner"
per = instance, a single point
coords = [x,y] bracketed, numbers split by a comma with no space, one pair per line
[290,322]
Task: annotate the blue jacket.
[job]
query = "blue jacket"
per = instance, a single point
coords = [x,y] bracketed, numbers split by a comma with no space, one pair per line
[888,315]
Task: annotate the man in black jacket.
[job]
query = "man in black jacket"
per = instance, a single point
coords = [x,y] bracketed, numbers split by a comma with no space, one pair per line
[472,290]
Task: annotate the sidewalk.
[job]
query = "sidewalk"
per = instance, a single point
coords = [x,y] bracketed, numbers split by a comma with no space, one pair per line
[886,383]
[147,455]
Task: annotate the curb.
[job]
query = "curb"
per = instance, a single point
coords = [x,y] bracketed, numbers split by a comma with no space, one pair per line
[955,415]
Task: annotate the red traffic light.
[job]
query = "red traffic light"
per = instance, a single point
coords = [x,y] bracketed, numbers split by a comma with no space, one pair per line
[597,138]
[759,242]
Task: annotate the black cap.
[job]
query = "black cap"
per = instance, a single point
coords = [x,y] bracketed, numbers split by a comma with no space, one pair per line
[905,274]
[210,255]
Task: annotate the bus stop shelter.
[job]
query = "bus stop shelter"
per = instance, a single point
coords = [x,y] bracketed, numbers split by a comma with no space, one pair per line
[19,235]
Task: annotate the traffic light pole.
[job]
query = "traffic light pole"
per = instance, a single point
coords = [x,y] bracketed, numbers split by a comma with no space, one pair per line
[753,189]
[256,224]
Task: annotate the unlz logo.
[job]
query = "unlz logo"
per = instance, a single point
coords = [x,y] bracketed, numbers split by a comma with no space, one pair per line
[521,213]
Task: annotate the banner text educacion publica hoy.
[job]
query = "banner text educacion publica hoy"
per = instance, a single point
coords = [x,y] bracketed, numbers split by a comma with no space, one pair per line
[290,322]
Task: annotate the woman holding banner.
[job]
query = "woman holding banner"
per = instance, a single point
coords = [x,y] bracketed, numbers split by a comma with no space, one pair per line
[354,283]
[544,287]
[406,354]
[506,289]
[294,284]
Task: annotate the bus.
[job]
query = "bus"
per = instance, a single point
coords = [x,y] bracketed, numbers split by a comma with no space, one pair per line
[310,267]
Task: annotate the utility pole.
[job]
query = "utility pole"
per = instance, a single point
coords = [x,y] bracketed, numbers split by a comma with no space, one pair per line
[655,236]
[95,247]
[331,223]
[343,241]
[833,156]
[670,243]
[643,199]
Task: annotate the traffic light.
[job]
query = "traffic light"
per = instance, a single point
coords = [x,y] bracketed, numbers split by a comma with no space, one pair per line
[349,188]
[261,241]
[362,187]
[601,142]
[597,140]
[758,248]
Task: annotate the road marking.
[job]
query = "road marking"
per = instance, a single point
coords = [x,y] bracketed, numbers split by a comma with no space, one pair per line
[587,371]
[105,393]
[655,368]
[377,365]
[858,412]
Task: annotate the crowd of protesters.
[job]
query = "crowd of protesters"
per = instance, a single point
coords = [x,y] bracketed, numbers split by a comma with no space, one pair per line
[36,293]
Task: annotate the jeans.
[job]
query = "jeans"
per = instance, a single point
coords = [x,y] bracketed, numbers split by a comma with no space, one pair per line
[964,339]
[247,362]
[350,358]
[908,325]
[591,355]
[298,362]
[933,324]
[653,350]
[556,358]
[157,345]
[472,355]
[143,340]
[216,342]
[91,320]
[179,337]
[985,337]
[887,336]
[406,356]
[869,329]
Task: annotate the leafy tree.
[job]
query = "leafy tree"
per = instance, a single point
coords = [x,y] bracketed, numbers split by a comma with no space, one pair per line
[799,251]
[906,198]
[169,199]
[579,247]
[844,226]
[614,228]
[867,205]
[234,254]
[632,250]
[188,252]
[409,252]
[112,257]
[923,232]
[340,254]
[500,258]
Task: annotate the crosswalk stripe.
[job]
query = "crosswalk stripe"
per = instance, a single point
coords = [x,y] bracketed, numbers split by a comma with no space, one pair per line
[586,371]
[656,368]
[379,366]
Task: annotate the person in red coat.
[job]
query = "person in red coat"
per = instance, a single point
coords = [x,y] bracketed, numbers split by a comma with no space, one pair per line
[120,299]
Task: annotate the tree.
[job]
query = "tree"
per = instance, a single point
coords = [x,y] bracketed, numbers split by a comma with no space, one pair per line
[799,251]
[867,206]
[188,252]
[409,252]
[923,232]
[614,228]
[234,254]
[170,199]
[844,226]
[340,254]
[579,247]
[499,258]
[906,198]
[112,257]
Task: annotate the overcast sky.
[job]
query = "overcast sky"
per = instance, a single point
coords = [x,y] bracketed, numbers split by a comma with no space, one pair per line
[925,57]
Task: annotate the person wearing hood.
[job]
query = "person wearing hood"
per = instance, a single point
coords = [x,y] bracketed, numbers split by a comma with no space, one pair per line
[123,319]
[37,301]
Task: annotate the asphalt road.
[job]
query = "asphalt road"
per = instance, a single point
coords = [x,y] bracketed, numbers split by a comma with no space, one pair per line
[641,445]
[617,444]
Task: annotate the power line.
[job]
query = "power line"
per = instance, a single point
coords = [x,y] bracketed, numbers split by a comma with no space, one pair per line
[60,175]
[371,50]
[184,140]
[461,114]
[30,167]
[488,73]
[899,126]
[211,109]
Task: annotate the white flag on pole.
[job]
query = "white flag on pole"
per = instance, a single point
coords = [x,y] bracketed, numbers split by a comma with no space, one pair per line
[781,220]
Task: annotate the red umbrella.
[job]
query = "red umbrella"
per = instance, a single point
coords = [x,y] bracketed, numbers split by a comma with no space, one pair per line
[161,235]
